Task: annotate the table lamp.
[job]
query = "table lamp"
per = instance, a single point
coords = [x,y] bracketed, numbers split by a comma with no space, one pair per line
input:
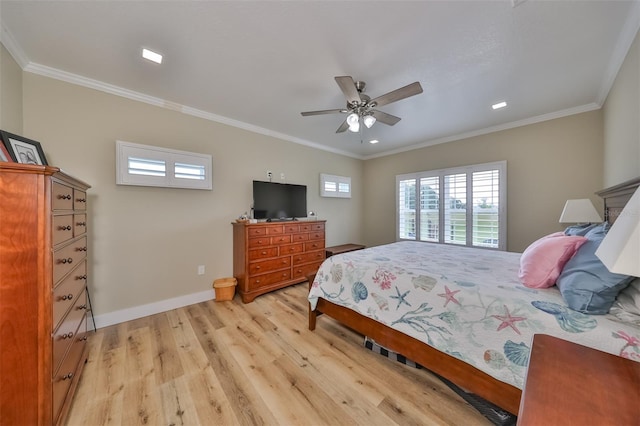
[579,211]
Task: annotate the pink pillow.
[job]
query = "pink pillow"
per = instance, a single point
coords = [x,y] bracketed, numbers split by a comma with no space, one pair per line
[542,262]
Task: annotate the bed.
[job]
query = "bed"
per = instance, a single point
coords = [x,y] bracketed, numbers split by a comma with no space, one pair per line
[414,297]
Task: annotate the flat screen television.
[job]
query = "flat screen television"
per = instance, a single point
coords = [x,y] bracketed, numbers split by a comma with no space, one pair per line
[279,201]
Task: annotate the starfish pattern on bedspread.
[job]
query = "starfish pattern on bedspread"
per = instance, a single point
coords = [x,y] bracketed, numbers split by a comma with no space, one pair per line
[508,320]
[449,295]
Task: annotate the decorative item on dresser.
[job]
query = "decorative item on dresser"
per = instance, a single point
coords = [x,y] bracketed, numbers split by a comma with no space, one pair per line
[268,256]
[43,297]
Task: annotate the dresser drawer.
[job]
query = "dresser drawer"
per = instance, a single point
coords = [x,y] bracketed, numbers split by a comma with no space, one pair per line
[300,237]
[314,245]
[281,239]
[275,229]
[66,258]
[61,197]
[62,229]
[303,271]
[291,249]
[264,266]
[79,224]
[259,242]
[291,228]
[65,294]
[64,335]
[79,200]
[267,279]
[314,256]
[263,253]
[317,235]
[317,226]
[255,231]
[67,373]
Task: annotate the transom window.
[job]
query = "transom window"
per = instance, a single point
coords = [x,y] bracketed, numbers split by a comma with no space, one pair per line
[462,205]
[147,165]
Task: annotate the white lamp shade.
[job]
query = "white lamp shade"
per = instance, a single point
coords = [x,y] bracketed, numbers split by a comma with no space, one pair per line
[579,211]
[620,248]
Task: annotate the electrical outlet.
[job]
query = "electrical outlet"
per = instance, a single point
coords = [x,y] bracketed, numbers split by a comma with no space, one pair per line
[201,270]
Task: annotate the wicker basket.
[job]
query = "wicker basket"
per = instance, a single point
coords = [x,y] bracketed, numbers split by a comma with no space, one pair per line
[225,288]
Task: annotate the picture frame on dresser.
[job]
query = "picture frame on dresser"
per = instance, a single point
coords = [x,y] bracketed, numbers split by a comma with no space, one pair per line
[23,150]
[4,154]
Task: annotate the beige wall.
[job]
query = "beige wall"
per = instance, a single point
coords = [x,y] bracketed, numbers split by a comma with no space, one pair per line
[10,93]
[622,122]
[146,243]
[547,163]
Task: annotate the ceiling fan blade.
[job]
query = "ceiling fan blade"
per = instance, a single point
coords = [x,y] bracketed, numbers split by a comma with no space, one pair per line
[398,94]
[324,111]
[385,118]
[343,127]
[348,87]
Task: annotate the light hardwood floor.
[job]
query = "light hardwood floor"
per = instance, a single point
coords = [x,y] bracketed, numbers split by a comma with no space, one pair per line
[229,363]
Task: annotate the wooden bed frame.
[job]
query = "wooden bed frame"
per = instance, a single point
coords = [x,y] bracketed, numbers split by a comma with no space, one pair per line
[453,369]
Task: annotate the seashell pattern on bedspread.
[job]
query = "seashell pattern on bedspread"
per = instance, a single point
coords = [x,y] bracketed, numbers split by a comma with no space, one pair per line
[465,302]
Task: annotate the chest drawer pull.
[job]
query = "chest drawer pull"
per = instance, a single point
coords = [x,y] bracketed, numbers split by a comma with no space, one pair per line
[68,335]
[81,223]
[82,307]
[81,249]
[64,197]
[64,261]
[81,200]
[67,297]
[67,376]
[64,228]
[81,277]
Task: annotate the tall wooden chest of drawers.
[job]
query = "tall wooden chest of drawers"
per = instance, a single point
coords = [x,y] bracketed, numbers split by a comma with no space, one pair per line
[43,298]
[268,256]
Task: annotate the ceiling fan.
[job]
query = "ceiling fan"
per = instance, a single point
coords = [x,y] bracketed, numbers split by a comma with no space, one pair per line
[361,108]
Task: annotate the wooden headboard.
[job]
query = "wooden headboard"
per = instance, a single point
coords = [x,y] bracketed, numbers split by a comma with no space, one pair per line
[616,197]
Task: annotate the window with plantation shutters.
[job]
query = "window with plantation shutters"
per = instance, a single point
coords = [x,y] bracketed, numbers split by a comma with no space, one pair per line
[145,165]
[462,205]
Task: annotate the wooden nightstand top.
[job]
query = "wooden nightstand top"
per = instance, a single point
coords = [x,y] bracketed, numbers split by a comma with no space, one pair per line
[570,384]
[344,248]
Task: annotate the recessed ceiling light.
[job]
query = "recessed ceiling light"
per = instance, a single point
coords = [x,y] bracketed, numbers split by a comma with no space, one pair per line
[152,56]
[499,105]
[374,141]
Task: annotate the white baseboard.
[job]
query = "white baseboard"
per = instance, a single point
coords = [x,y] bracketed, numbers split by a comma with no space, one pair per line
[136,312]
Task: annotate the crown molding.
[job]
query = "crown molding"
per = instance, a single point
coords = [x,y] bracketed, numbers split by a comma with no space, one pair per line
[9,42]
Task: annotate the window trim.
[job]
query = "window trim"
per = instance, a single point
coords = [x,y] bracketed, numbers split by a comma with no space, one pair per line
[171,157]
[501,166]
[338,180]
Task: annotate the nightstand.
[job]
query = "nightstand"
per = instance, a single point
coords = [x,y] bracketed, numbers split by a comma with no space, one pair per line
[571,384]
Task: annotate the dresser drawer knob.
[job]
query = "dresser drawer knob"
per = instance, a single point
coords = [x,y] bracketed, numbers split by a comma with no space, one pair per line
[81,223]
[68,335]
[82,307]
[67,376]
[64,197]
[67,297]
[258,268]
[81,249]
[64,228]
[264,252]
[84,339]
[284,262]
[69,260]
[81,200]
[81,277]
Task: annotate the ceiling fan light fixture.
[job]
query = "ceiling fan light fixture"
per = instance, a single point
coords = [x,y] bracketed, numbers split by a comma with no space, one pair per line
[352,119]
[369,120]
[355,127]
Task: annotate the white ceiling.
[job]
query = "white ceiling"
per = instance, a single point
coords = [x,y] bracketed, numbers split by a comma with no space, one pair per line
[258,64]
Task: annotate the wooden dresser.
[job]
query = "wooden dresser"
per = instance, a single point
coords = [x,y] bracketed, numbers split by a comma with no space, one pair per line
[268,256]
[43,298]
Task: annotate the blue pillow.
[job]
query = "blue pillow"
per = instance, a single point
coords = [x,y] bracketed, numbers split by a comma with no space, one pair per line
[586,284]
[580,230]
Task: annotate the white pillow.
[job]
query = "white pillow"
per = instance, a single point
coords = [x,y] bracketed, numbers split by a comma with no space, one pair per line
[629,298]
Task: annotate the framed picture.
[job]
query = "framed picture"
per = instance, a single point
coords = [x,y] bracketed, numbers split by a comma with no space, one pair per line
[4,154]
[23,150]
